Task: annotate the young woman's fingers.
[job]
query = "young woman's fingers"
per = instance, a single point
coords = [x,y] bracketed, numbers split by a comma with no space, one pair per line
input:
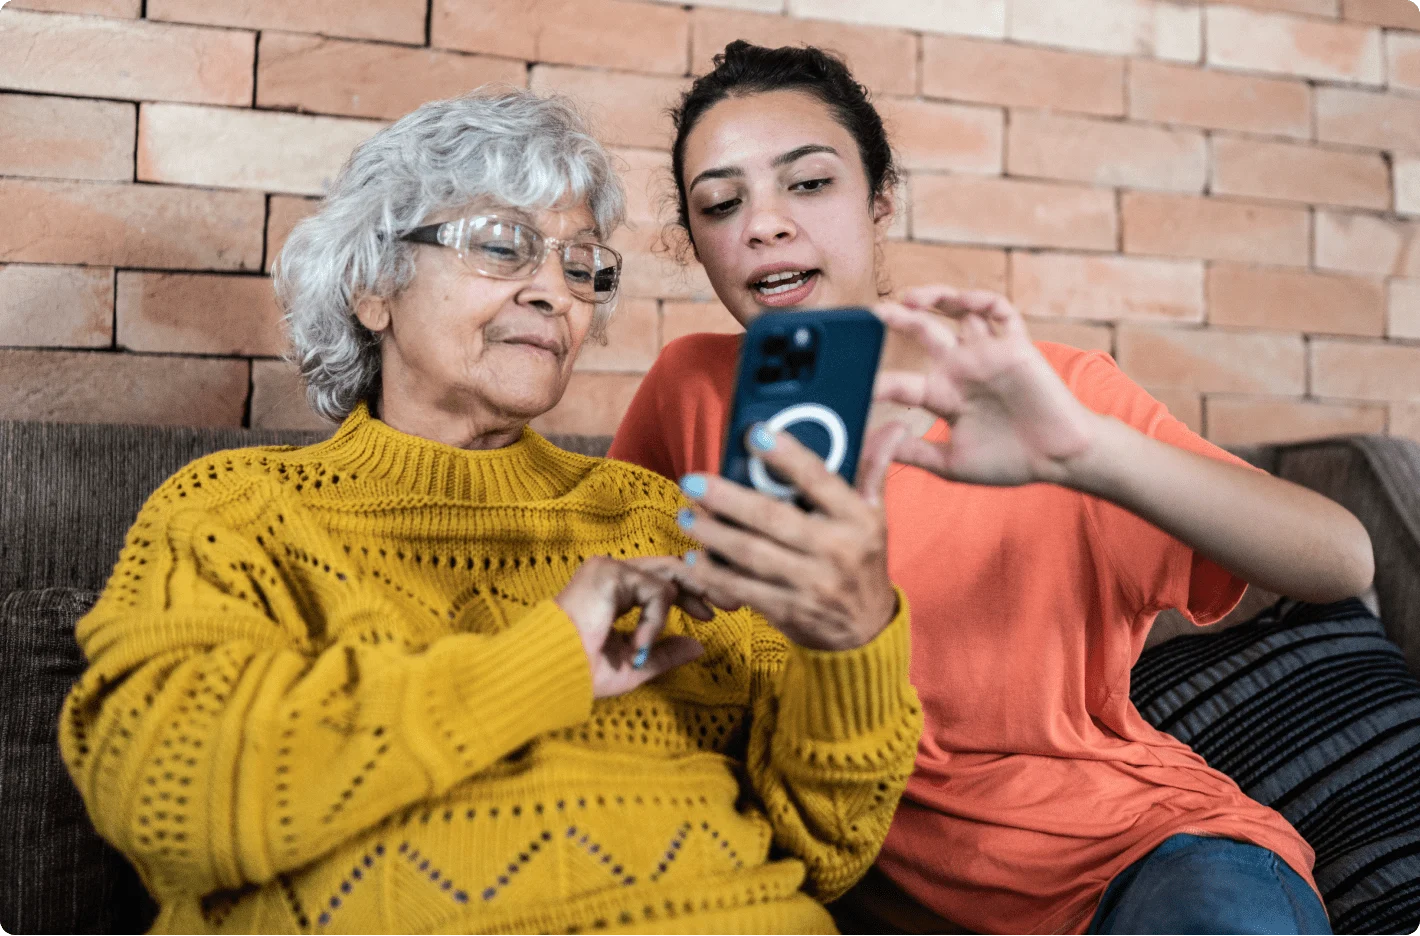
[923,454]
[937,396]
[974,327]
[879,448]
[936,297]
[672,569]
[754,553]
[935,335]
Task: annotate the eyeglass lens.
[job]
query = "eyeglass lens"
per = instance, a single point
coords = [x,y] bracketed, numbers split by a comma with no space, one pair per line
[507,249]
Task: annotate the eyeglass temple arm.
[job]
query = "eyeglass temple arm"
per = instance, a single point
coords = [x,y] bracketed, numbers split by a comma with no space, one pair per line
[428,234]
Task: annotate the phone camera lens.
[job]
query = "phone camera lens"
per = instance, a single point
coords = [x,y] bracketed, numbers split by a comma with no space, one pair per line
[803,338]
[769,374]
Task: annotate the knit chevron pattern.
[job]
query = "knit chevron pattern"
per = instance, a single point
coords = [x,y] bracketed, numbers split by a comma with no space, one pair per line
[1313,712]
[329,692]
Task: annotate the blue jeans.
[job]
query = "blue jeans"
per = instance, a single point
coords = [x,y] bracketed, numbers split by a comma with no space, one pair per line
[1191,884]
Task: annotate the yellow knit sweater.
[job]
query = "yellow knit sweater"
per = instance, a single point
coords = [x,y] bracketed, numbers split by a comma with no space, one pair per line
[329,691]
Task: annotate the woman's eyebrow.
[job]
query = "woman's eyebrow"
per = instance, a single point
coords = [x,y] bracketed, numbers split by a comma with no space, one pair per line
[783,159]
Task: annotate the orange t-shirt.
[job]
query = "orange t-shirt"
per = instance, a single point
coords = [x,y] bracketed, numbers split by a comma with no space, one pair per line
[1037,780]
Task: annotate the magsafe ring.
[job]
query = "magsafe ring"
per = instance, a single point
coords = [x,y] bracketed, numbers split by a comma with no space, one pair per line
[802,412]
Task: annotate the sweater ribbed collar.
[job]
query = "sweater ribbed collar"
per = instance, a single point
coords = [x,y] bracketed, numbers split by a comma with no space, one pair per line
[531,469]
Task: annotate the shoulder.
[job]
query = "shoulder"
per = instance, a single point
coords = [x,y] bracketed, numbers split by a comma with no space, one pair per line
[701,358]
[1097,381]
[211,480]
[613,485]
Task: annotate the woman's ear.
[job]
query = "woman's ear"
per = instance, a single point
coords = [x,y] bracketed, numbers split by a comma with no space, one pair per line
[884,211]
[373,312]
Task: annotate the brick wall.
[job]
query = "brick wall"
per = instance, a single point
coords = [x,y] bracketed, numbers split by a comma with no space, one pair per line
[1227,197]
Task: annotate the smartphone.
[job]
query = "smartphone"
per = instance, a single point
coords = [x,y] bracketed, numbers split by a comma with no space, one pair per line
[808,373]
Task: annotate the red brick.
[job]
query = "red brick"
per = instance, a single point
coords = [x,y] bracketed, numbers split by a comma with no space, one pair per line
[365,79]
[1082,335]
[1108,288]
[1258,420]
[278,399]
[1012,212]
[1357,370]
[1367,244]
[1213,229]
[1298,172]
[390,20]
[1184,405]
[1404,316]
[1366,118]
[109,224]
[1293,46]
[273,152]
[1213,361]
[909,264]
[1407,186]
[979,18]
[883,59]
[134,60]
[593,404]
[198,313]
[1331,8]
[1294,300]
[626,109]
[90,387]
[1405,420]
[1020,76]
[687,318]
[119,9]
[1397,14]
[650,196]
[568,32]
[56,306]
[931,135]
[1402,55]
[65,138]
[633,340]
[652,271]
[1126,27]
[283,213]
[1104,152]
[1200,97]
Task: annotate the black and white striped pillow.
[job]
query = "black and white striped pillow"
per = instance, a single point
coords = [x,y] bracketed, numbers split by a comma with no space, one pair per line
[1311,709]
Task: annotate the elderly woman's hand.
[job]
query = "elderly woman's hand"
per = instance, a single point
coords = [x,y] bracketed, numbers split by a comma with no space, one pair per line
[820,577]
[604,589]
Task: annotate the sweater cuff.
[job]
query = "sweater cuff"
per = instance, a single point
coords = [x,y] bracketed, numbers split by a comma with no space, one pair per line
[527,680]
[852,693]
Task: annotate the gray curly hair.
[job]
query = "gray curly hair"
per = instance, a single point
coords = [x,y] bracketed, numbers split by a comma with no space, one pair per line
[503,145]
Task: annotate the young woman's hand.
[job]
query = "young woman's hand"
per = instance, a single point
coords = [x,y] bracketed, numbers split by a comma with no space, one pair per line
[601,591]
[819,577]
[1013,420]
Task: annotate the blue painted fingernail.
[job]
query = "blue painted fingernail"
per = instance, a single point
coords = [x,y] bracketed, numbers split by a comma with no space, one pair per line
[642,655]
[761,438]
[693,485]
[691,557]
[685,518]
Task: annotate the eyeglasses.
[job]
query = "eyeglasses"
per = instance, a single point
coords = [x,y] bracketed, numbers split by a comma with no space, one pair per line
[505,249]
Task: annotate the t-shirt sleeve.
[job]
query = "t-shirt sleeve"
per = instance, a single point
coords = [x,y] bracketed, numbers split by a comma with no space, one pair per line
[1155,570]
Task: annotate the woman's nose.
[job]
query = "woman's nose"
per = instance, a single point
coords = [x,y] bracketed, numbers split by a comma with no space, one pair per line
[768,225]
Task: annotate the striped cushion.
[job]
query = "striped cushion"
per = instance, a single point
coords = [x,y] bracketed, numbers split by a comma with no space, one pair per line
[1313,712]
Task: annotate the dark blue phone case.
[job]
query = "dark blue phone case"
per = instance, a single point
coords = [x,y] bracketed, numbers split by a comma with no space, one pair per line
[822,402]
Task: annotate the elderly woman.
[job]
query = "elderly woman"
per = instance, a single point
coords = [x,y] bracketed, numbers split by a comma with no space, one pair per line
[390,682]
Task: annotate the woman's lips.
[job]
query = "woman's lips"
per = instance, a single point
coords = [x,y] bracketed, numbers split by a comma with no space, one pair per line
[792,297]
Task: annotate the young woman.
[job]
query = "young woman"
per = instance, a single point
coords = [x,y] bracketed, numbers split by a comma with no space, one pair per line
[1041,801]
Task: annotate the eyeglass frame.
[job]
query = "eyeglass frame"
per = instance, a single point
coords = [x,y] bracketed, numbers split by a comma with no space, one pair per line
[438,235]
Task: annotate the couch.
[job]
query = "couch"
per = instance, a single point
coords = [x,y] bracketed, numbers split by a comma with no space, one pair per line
[69,492]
